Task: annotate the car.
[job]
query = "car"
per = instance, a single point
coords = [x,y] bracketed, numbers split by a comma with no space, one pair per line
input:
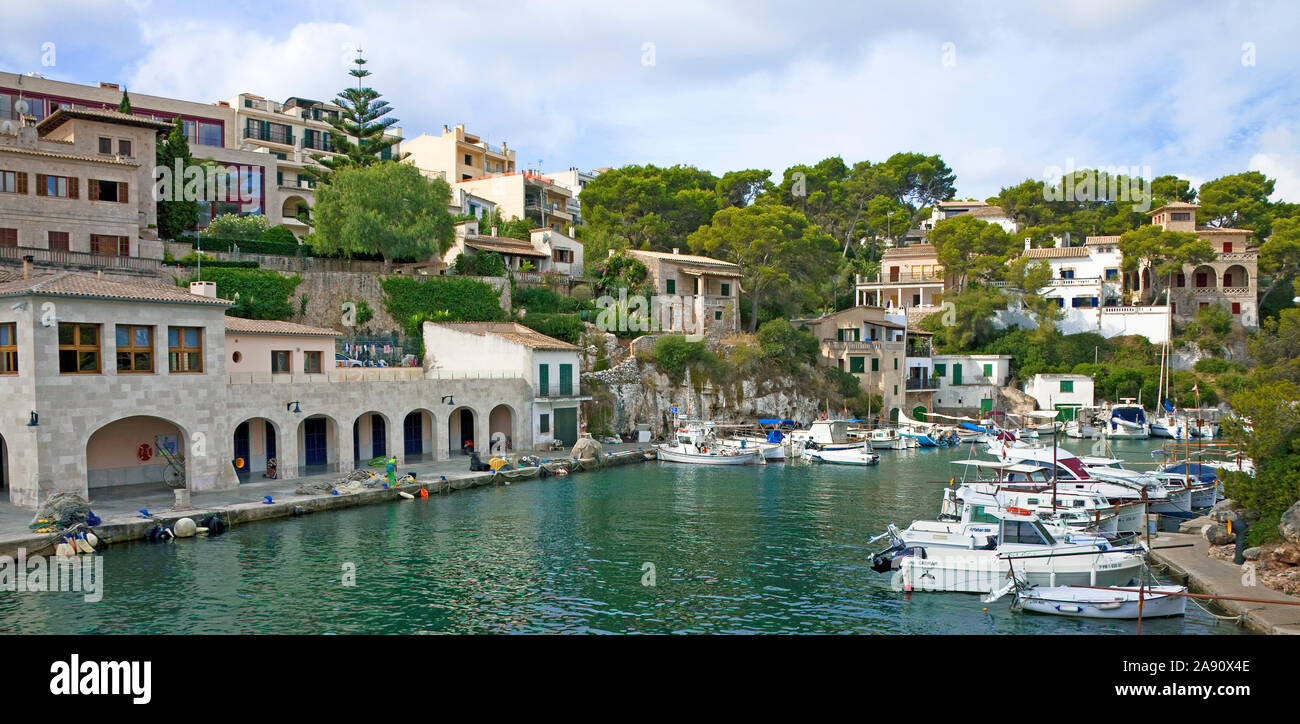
[342,360]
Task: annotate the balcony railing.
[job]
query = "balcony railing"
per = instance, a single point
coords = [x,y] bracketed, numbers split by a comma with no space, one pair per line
[901,279]
[923,384]
[78,258]
[257,134]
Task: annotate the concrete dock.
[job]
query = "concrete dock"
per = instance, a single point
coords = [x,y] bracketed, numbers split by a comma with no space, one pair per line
[1223,578]
[119,508]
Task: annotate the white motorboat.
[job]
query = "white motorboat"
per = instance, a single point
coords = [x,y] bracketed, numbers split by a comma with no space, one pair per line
[926,559]
[1080,430]
[1120,602]
[773,442]
[886,438]
[1074,512]
[851,456]
[1128,421]
[828,435]
[696,445]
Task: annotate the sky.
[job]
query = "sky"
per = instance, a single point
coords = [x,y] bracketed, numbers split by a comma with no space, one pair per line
[1002,91]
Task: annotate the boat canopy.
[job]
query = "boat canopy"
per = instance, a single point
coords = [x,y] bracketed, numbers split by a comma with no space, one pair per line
[1129,413]
[774,421]
[1201,471]
[971,426]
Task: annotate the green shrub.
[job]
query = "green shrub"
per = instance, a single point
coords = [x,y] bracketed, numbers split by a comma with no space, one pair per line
[479,264]
[278,234]
[542,300]
[673,355]
[233,226]
[258,294]
[564,327]
[1217,366]
[779,340]
[281,248]
[845,382]
[444,298]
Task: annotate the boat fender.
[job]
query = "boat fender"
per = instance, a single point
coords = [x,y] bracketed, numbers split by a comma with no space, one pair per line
[424,493]
[92,539]
[64,550]
[405,495]
[214,524]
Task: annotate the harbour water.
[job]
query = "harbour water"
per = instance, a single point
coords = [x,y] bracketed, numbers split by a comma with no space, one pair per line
[774,549]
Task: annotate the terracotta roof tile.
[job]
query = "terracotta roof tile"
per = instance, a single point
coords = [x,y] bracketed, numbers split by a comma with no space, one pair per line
[63,115]
[510,331]
[71,284]
[503,245]
[269,326]
[1056,252]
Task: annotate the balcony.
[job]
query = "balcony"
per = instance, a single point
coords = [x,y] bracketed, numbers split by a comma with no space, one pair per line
[79,259]
[901,279]
[268,136]
[930,383]
[557,393]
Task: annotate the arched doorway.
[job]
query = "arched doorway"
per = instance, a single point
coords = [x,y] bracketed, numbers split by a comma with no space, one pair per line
[501,429]
[318,450]
[1204,278]
[136,450]
[1236,276]
[369,437]
[417,436]
[294,207]
[460,430]
[893,415]
[918,413]
[256,450]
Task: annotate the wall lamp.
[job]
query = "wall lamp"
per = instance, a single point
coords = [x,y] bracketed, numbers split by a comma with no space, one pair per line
[448,399]
[293,406]
[35,420]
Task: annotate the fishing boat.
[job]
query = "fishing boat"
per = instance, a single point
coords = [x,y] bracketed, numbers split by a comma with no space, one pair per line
[1200,494]
[769,438]
[827,435]
[1077,510]
[851,456]
[886,438]
[1128,421]
[1115,602]
[696,445]
[925,559]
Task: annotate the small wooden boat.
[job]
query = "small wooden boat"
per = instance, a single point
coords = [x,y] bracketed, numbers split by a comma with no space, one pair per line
[852,456]
[1111,603]
[696,445]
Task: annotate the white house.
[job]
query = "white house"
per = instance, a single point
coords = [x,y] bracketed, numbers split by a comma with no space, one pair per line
[1088,285]
[565,252]
[549,364]
[979,209]
[969,380]
[1061,392]
[547,250]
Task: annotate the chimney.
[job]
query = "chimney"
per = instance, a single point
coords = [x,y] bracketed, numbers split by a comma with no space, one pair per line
[676,250]
[1028,243]
[570,234]
[109,86]
[99,273]
[27,266]
[204,289]
[494,231]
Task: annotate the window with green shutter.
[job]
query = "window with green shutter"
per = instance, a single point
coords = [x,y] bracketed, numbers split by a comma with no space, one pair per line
[671,286]
[988,370]
[1067,385]
[858,364]
[940,370]
[543,380]
[726,289]
[566,379]
[875,364]
[895,363]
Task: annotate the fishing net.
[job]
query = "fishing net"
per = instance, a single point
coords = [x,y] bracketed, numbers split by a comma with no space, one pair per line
[355,480]
[63,510]
[586,447]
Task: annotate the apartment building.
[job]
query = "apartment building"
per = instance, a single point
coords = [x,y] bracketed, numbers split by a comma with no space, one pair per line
[79,183]
[968,382]
[209,127]
[911,279]
[704,292]
[293,133]
[457,155]
[575,181]
[981,210]
[1230,280]
[108,382]
[538,199]
[1066,393]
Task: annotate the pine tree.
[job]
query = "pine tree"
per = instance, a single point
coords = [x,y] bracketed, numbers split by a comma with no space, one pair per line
[359,131]
[177,215]
[125,105]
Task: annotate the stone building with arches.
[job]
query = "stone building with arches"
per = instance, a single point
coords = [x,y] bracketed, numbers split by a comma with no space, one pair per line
[1230,280]
[106,382]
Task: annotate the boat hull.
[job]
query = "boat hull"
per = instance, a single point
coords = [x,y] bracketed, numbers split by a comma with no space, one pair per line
[982,572]
[740,458]
[1089,603]
[859,456]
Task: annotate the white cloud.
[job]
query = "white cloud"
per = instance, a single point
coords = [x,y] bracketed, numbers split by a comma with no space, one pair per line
[744,84]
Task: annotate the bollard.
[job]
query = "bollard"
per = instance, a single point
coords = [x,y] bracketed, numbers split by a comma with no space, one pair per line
[1239,556]
[182,499]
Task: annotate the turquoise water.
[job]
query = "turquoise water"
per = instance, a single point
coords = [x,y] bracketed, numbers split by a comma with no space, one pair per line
[778,549]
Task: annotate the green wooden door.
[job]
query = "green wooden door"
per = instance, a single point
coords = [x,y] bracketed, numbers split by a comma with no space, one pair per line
[566,379]
[956,373]
[543,380]
[566,425]
[986,405]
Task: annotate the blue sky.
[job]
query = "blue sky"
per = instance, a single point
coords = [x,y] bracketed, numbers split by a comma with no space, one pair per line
[1002,90]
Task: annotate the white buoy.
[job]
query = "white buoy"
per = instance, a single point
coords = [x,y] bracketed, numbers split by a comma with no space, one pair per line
[185,528]
[406,495]
[92,539]
[64,550]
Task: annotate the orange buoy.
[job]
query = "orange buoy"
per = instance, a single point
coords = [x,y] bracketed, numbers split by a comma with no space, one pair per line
[424,493]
